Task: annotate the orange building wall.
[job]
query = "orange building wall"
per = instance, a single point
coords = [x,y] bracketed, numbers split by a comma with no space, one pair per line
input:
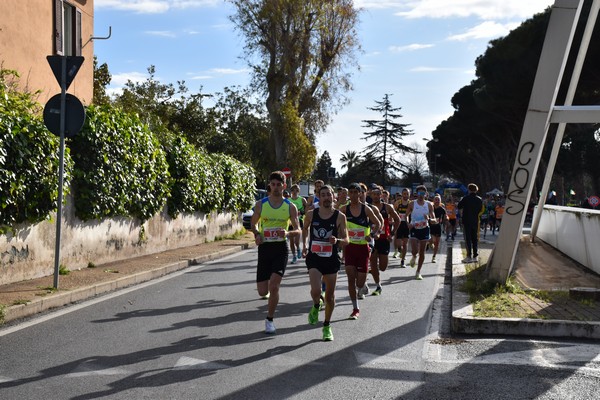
[26,38]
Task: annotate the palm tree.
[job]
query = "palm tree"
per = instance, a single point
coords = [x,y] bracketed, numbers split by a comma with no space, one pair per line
[349,159]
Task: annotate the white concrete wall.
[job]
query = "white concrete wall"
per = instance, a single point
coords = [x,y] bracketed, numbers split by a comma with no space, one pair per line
[573,231]
[28,253]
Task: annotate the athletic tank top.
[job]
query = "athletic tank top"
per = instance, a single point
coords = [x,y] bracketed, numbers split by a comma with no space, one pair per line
[298,203]
[419,216]
[384,232]
[274,221]
[401,209]
[359,228]
[439,213]
[451,211]
[321,231]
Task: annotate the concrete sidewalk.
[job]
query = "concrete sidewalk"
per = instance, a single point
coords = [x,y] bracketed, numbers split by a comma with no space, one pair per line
[24,299]
[544,270]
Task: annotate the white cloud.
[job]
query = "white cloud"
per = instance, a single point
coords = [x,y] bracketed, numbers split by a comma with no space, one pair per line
[210,74]
[485,30]
[229,71]
[122,78]
[161,33]
[483,9]
[153,6]
[139,6]
[410,47]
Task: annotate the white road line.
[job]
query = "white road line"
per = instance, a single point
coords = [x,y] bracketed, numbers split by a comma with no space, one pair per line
[104,297]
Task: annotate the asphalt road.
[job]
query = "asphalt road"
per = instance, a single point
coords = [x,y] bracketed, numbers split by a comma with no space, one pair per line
[199,334]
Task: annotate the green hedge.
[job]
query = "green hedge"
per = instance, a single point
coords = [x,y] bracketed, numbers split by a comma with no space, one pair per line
[116,167]
[204,182]
[120,168]
[29,158]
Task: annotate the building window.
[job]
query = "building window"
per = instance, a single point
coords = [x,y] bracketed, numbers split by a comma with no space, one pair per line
[67,29]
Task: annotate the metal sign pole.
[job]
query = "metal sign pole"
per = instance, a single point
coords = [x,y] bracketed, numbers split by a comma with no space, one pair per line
[61,167]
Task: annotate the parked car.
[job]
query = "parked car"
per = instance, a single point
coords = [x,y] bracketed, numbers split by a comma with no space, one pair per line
[247,216]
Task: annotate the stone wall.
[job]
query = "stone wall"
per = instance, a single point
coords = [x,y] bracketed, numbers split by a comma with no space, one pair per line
[29,252]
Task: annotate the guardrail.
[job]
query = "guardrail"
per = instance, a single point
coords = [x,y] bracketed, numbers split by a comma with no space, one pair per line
[573,231]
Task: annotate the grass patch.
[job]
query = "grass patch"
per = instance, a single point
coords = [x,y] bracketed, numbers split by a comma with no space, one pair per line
[20,302]
[2,313]
[46,290]
[63,270]
[493,300]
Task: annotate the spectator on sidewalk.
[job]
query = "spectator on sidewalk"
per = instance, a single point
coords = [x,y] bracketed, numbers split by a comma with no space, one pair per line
[471,207]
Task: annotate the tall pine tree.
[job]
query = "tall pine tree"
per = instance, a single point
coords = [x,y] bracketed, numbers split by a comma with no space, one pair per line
[388,136]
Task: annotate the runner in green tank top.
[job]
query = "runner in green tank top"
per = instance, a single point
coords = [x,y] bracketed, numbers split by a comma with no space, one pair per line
[272,217]
[300,203]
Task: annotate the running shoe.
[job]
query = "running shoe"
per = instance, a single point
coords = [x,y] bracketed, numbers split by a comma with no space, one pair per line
[294,259]
[395,254]
[377,291]
[327,334]
[313,315]
[299,254]
[467,260]
[418,277]
[366,288]
[433,259]
[269,326]
[402,264]
[322,302]
[266,296]
[355,314]
[412,262]
[360,295]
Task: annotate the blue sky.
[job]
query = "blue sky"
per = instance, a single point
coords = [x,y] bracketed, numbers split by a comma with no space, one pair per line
[419,51]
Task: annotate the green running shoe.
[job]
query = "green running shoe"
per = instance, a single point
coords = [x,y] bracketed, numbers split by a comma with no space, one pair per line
[327,334]
[313,316]
[377,291]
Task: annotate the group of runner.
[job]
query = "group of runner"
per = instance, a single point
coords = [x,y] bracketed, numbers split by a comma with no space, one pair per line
[357,225]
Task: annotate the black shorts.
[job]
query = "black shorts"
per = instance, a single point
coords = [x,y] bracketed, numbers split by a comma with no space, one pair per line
[436,230]
[325,265]
[420,234]
[382,246]
[272,259]
[403,232]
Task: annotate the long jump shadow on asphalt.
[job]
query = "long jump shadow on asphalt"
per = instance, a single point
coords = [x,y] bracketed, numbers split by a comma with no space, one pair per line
[329,367]
[433,385]
[155,377]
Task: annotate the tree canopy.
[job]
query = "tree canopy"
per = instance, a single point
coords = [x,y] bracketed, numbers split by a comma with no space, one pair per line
[479,141]
[388,136]
[302,53]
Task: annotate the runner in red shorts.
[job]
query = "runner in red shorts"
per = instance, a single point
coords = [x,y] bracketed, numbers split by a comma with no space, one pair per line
[359,219]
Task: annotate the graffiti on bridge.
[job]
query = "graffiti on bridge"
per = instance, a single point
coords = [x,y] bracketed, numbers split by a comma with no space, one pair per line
[521,178]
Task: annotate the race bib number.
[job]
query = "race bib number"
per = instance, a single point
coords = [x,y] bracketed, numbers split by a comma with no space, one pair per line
[356,235]
[274,234]
[402,217]
[322,249]
[420,224]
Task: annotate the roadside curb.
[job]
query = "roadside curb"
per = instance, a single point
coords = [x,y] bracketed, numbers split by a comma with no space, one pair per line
[61,299]
[463,321]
